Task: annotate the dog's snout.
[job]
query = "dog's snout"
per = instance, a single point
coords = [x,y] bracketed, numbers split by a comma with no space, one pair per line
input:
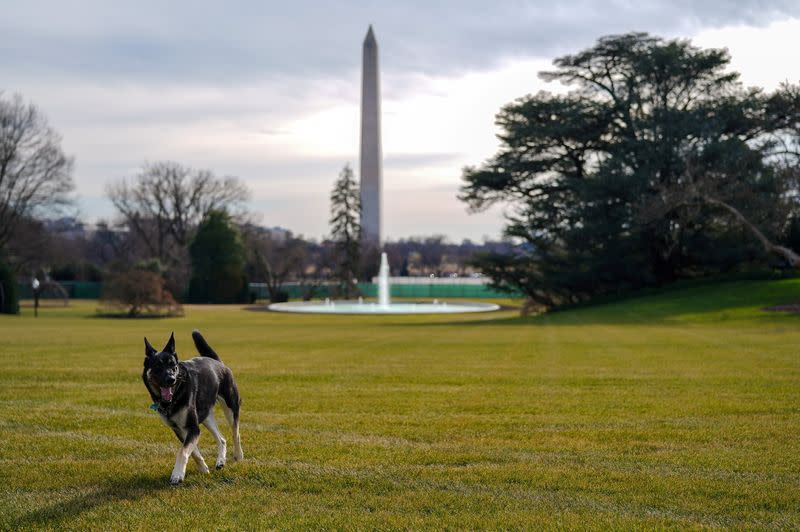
[170,380]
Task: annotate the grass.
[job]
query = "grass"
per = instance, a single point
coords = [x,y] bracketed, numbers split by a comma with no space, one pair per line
[669,411]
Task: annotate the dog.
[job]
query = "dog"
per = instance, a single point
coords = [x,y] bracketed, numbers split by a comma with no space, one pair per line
[184,394]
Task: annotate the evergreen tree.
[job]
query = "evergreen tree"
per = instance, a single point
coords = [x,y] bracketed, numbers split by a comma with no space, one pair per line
[346,230]
[629,179]
[218,262]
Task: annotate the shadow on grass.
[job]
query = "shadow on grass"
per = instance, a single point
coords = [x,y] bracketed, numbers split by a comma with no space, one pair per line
[113,316]
[129,488]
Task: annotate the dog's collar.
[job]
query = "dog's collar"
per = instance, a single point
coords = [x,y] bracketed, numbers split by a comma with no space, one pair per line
[161,407]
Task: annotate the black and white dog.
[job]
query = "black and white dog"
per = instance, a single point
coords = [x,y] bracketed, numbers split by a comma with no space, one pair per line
[184,394]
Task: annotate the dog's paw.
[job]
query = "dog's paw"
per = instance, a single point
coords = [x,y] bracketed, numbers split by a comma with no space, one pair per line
[220,465]
[175,481]
[238,455]
[203,468]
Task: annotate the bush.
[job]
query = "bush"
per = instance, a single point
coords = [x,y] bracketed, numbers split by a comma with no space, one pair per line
[9,302]
[138,293]
[279,296]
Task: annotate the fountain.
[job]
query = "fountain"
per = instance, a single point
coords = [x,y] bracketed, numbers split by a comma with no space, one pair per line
[384,304]
[371,177]
[383,282]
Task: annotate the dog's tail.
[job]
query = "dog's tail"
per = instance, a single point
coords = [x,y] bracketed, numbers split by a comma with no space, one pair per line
[202,346]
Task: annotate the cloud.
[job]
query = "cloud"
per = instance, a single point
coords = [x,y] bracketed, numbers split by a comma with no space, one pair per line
[402,161]
[216,43]
[269,91]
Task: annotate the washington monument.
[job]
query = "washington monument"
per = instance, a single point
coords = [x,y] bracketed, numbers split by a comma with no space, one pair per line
[371,156]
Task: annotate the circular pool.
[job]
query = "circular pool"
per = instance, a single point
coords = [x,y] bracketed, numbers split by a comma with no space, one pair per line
[367,307]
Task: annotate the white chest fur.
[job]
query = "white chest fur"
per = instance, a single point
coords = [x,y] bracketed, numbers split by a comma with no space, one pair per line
[176,420]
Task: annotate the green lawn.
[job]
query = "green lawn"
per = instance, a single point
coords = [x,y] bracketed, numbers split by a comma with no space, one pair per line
[676,410]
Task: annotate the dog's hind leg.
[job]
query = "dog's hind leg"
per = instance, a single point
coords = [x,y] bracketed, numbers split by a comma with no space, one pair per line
[211,424]
[230,406]
[198,459]
[232,416]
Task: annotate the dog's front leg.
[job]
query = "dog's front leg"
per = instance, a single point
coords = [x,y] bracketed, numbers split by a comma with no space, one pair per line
[189,444]
[198,458]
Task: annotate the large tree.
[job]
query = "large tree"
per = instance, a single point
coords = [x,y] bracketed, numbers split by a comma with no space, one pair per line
[166,201]
[593,173]
[346,229]
[35,174]
[164,204]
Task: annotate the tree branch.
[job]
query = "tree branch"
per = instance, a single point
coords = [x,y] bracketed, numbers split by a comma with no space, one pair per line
[789,255]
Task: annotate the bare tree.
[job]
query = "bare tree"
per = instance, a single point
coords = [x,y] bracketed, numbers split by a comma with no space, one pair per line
[35,174]
[31,246]
[166,201]
[275,260]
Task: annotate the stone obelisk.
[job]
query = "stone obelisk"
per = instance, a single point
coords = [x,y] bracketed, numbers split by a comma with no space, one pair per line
[371,153]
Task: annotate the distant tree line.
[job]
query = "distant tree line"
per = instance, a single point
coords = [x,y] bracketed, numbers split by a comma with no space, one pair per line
[179,234]
[69,250]
[170,220]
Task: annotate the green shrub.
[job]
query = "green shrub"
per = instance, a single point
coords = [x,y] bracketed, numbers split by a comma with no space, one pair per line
[137,293]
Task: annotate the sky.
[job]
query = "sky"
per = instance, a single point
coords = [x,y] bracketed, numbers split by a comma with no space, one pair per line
[269,91]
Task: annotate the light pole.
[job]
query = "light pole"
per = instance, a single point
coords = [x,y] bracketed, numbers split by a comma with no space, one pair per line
[35,286]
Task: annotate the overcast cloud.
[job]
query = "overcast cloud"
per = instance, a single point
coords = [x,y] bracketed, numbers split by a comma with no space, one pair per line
[269,91]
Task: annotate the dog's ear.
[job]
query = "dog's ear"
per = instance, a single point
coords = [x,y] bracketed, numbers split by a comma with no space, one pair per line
[149,350]
[170,347]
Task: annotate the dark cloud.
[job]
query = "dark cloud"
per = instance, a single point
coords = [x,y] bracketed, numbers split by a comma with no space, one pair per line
[220,43]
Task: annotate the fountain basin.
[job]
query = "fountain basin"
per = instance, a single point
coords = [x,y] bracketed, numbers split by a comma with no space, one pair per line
[384,304]
[356,307]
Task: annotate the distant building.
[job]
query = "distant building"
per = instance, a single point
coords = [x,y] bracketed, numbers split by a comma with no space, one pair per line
[66,227]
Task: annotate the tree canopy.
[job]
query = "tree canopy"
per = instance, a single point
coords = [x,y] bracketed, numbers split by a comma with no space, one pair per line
[613,184]
[163,205]
[166,200]
[218,262]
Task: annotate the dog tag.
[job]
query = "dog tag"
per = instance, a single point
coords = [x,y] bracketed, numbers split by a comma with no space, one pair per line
[154,406]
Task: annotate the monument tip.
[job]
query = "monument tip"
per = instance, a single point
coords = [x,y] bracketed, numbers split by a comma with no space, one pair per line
[370,38]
